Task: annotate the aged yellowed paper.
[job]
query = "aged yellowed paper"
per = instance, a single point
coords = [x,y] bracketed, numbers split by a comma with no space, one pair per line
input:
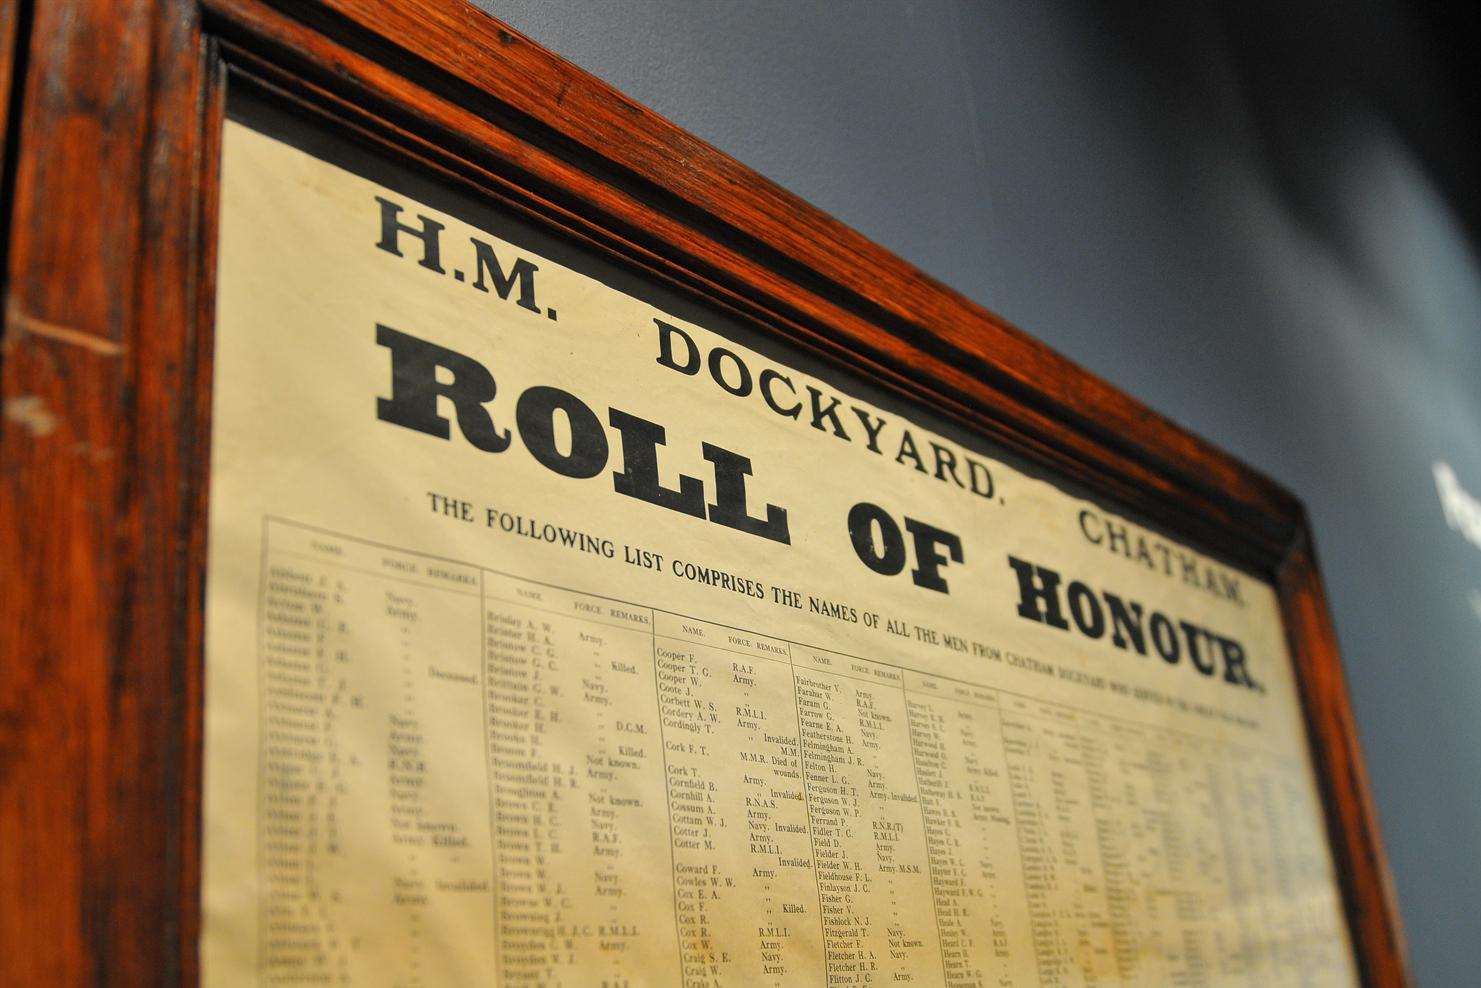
[554,639]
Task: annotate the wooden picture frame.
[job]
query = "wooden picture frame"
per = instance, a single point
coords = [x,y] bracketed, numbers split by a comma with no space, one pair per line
[112,112]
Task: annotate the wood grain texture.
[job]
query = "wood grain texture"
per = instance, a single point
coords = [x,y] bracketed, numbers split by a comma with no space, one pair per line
[10,17]
[104,376]
[750,211]
[91,513]
[1189,491]
[1372,905]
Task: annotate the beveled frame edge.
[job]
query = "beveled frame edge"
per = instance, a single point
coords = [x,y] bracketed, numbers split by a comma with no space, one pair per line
[96,376]
[11,31]
[107,340]
[1369,896]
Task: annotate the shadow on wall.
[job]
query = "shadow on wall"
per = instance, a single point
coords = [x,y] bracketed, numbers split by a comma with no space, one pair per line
[1344,182]
[1260,218]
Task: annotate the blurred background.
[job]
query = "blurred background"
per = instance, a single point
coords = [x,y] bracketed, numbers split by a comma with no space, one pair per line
[1259,218]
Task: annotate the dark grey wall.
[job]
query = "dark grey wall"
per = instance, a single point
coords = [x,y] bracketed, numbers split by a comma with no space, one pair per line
[1251,217]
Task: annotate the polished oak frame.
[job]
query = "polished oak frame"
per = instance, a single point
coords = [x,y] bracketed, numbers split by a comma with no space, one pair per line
[110,119]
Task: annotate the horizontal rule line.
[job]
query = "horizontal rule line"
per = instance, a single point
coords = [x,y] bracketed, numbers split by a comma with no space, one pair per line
[1203,738]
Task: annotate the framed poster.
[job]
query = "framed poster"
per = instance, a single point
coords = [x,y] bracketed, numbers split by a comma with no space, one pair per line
[505,541]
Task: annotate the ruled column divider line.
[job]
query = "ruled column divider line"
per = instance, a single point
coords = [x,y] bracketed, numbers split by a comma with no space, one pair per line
[668,806]
[920,802]
[488,761]
[807,806]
